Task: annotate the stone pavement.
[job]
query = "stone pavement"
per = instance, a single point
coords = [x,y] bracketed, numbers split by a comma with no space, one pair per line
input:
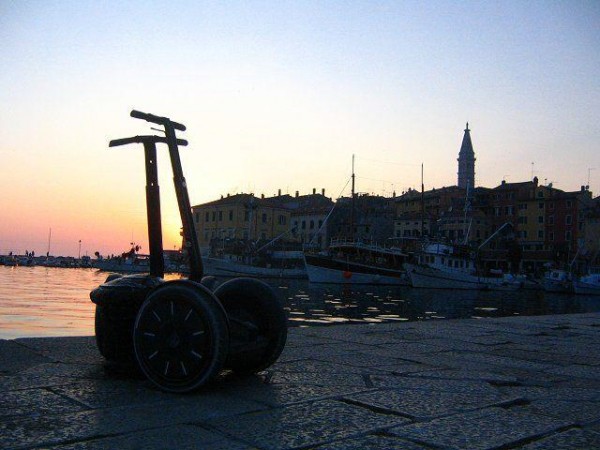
[519,382]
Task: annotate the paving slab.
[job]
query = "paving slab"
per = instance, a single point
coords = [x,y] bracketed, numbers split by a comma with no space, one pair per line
[484,429]
[44,429]
[305,425]
[423,404]
[574,439]
[519,382]
[372,442]
[15,357]
[180,437]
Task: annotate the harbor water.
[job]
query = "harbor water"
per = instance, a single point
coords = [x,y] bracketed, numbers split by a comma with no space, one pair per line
[41,302]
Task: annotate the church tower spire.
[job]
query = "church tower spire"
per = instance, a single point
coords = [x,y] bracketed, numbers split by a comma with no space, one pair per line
[466,162]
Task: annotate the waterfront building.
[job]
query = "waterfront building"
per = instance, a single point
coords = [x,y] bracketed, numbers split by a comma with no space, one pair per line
[308,214]
[434,202]
[590,237]
[565,223]
[546,223]
[369,218]
[240,217]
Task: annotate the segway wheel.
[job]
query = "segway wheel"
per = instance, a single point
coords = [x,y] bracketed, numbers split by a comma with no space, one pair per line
[257,324]
[180,337]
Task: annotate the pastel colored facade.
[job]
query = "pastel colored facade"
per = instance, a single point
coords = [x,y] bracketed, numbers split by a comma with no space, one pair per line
[240,216]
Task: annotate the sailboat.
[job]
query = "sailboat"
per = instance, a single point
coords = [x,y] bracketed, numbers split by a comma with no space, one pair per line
[354,261]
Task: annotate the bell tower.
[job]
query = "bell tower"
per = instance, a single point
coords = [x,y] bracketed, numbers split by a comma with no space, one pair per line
[466,162]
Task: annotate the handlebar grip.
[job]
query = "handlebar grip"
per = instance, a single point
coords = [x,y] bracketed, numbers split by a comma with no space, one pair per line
[140,115]
[124,141]
[156,119]
[178,126]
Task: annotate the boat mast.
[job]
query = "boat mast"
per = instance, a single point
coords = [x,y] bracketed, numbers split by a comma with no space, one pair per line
[422,204]
[353,203]
[49,239]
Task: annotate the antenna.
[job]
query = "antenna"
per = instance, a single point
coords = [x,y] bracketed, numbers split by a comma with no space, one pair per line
[589,171]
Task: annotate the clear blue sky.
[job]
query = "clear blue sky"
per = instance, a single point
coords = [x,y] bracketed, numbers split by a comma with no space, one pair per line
[279,95]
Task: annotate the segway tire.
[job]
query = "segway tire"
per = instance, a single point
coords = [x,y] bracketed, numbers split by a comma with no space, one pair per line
[257,324]
[181,337]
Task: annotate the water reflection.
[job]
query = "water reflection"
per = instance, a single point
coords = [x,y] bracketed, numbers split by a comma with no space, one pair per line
[39,301]
[310,304]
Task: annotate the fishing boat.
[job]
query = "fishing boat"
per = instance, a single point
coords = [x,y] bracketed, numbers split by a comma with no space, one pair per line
[355,262]
[446,266]
[351,260]
[587,285]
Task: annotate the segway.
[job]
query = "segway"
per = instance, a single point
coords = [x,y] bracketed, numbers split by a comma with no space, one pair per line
[181,334]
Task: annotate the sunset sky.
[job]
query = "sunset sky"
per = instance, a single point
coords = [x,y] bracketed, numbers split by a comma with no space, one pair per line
[280,95]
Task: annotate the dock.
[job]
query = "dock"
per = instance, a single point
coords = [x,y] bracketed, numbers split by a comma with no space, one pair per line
[501,383]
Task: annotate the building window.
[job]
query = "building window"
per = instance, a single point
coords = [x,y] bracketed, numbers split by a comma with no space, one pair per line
[550,220]
[551,205]
[540,219]
[541,205]
[207,217]
[246,216]
[312,224]
[523,219]
[568,219]
[540,234]
[568,235]
[264,218]
[214,216]
[508,210]
[304,224]
[230,215]
[282,220]
[551,235]
[197,217]
[522,206]
[220,216]
[569,204]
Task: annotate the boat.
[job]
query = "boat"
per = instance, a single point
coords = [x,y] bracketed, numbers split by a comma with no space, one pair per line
[133,264]
[558,281]
[354,262]
[587,285]
[236,266]
[447,266]
[9,260]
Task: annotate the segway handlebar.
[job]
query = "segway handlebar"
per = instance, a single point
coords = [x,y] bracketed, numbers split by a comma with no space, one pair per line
[142,140]
[156,119]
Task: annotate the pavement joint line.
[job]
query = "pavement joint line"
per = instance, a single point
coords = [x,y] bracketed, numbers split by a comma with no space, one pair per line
[534,438]
[378,409]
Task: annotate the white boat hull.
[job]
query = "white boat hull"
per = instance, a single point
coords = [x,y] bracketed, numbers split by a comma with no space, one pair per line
[432,278]
[228,268]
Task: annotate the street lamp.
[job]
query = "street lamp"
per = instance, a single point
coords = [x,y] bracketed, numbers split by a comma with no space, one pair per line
[79,256]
